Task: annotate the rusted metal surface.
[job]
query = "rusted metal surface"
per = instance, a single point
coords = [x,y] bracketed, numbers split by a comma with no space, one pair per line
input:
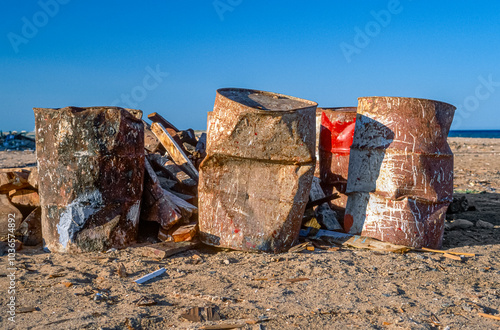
[91,173]
[255,181]
[318,129]
[400,171]
[336,133]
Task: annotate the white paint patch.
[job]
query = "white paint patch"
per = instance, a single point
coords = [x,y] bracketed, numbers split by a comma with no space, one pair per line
[133,213]
[76,214]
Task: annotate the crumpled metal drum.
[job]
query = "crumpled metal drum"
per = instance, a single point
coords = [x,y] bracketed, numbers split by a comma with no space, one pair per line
[255,181]
[91,173]
[336,134]
[400,171]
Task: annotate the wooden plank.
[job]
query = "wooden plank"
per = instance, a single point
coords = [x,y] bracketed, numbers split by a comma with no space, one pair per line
[361,242]
[157,118]
[185,233]
[166,249]
[173,149]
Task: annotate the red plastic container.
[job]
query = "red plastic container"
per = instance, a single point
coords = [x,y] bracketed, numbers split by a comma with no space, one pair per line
[336,134]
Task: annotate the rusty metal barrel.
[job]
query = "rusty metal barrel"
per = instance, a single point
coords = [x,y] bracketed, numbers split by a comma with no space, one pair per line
[336,134]
[255,181]
[400,171]
[91,173]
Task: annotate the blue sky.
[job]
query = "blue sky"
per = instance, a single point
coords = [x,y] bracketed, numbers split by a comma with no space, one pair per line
[171,56]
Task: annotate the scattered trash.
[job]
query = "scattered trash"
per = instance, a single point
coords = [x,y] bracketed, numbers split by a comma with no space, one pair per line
[145,301]
[323,213]
[255,181]
[201,314]
[150,276]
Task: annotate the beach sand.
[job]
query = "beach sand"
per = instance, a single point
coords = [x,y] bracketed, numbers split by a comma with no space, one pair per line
[344,288]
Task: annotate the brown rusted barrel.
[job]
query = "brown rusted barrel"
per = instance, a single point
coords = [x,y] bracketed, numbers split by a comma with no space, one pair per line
[255,181]
[336,133]
[91,173]
[400,170]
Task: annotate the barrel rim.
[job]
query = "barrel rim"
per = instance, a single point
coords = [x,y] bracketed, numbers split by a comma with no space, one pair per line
[407,98]
[308,103]
[339,109]
[75,110]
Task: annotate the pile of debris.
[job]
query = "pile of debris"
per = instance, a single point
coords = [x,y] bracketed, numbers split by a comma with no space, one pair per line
[16,141]
[169,203]
[171,179]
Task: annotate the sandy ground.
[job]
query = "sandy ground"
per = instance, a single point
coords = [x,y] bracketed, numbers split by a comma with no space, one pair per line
[346,288]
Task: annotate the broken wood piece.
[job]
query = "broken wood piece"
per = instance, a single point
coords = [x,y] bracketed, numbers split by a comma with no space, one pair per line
[157,204]
[10,217]
[157,118]
[178,174]
[452,256]
[322,200]
[199,314]
[145,301]
[30,230]
[151,142]
[185,233]
[13,180]
[166,249]
[361,242]
[166,183]
[150,276]
[26,309]
[187,198]
[186,208]
[449,252]
[298,279]
[323,213]
[174,150]
[33,178]
[493,317]
[25,197]
[299,247]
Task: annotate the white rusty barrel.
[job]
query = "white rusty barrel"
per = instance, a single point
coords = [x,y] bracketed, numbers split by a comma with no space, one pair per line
[255,181]
[400,170]
[91,173]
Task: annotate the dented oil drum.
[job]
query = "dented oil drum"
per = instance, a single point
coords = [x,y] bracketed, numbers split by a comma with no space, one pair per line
[255,181]
[400,171]
[336,134]
[91,173]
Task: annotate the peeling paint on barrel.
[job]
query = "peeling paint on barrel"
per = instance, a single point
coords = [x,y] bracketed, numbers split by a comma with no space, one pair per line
[336,134]
[400,171]
[91,169]
[255,181]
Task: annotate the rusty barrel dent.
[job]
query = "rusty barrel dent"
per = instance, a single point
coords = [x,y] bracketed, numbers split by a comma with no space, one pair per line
[91,170]
[336,134]
[255,181]
[400,170]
